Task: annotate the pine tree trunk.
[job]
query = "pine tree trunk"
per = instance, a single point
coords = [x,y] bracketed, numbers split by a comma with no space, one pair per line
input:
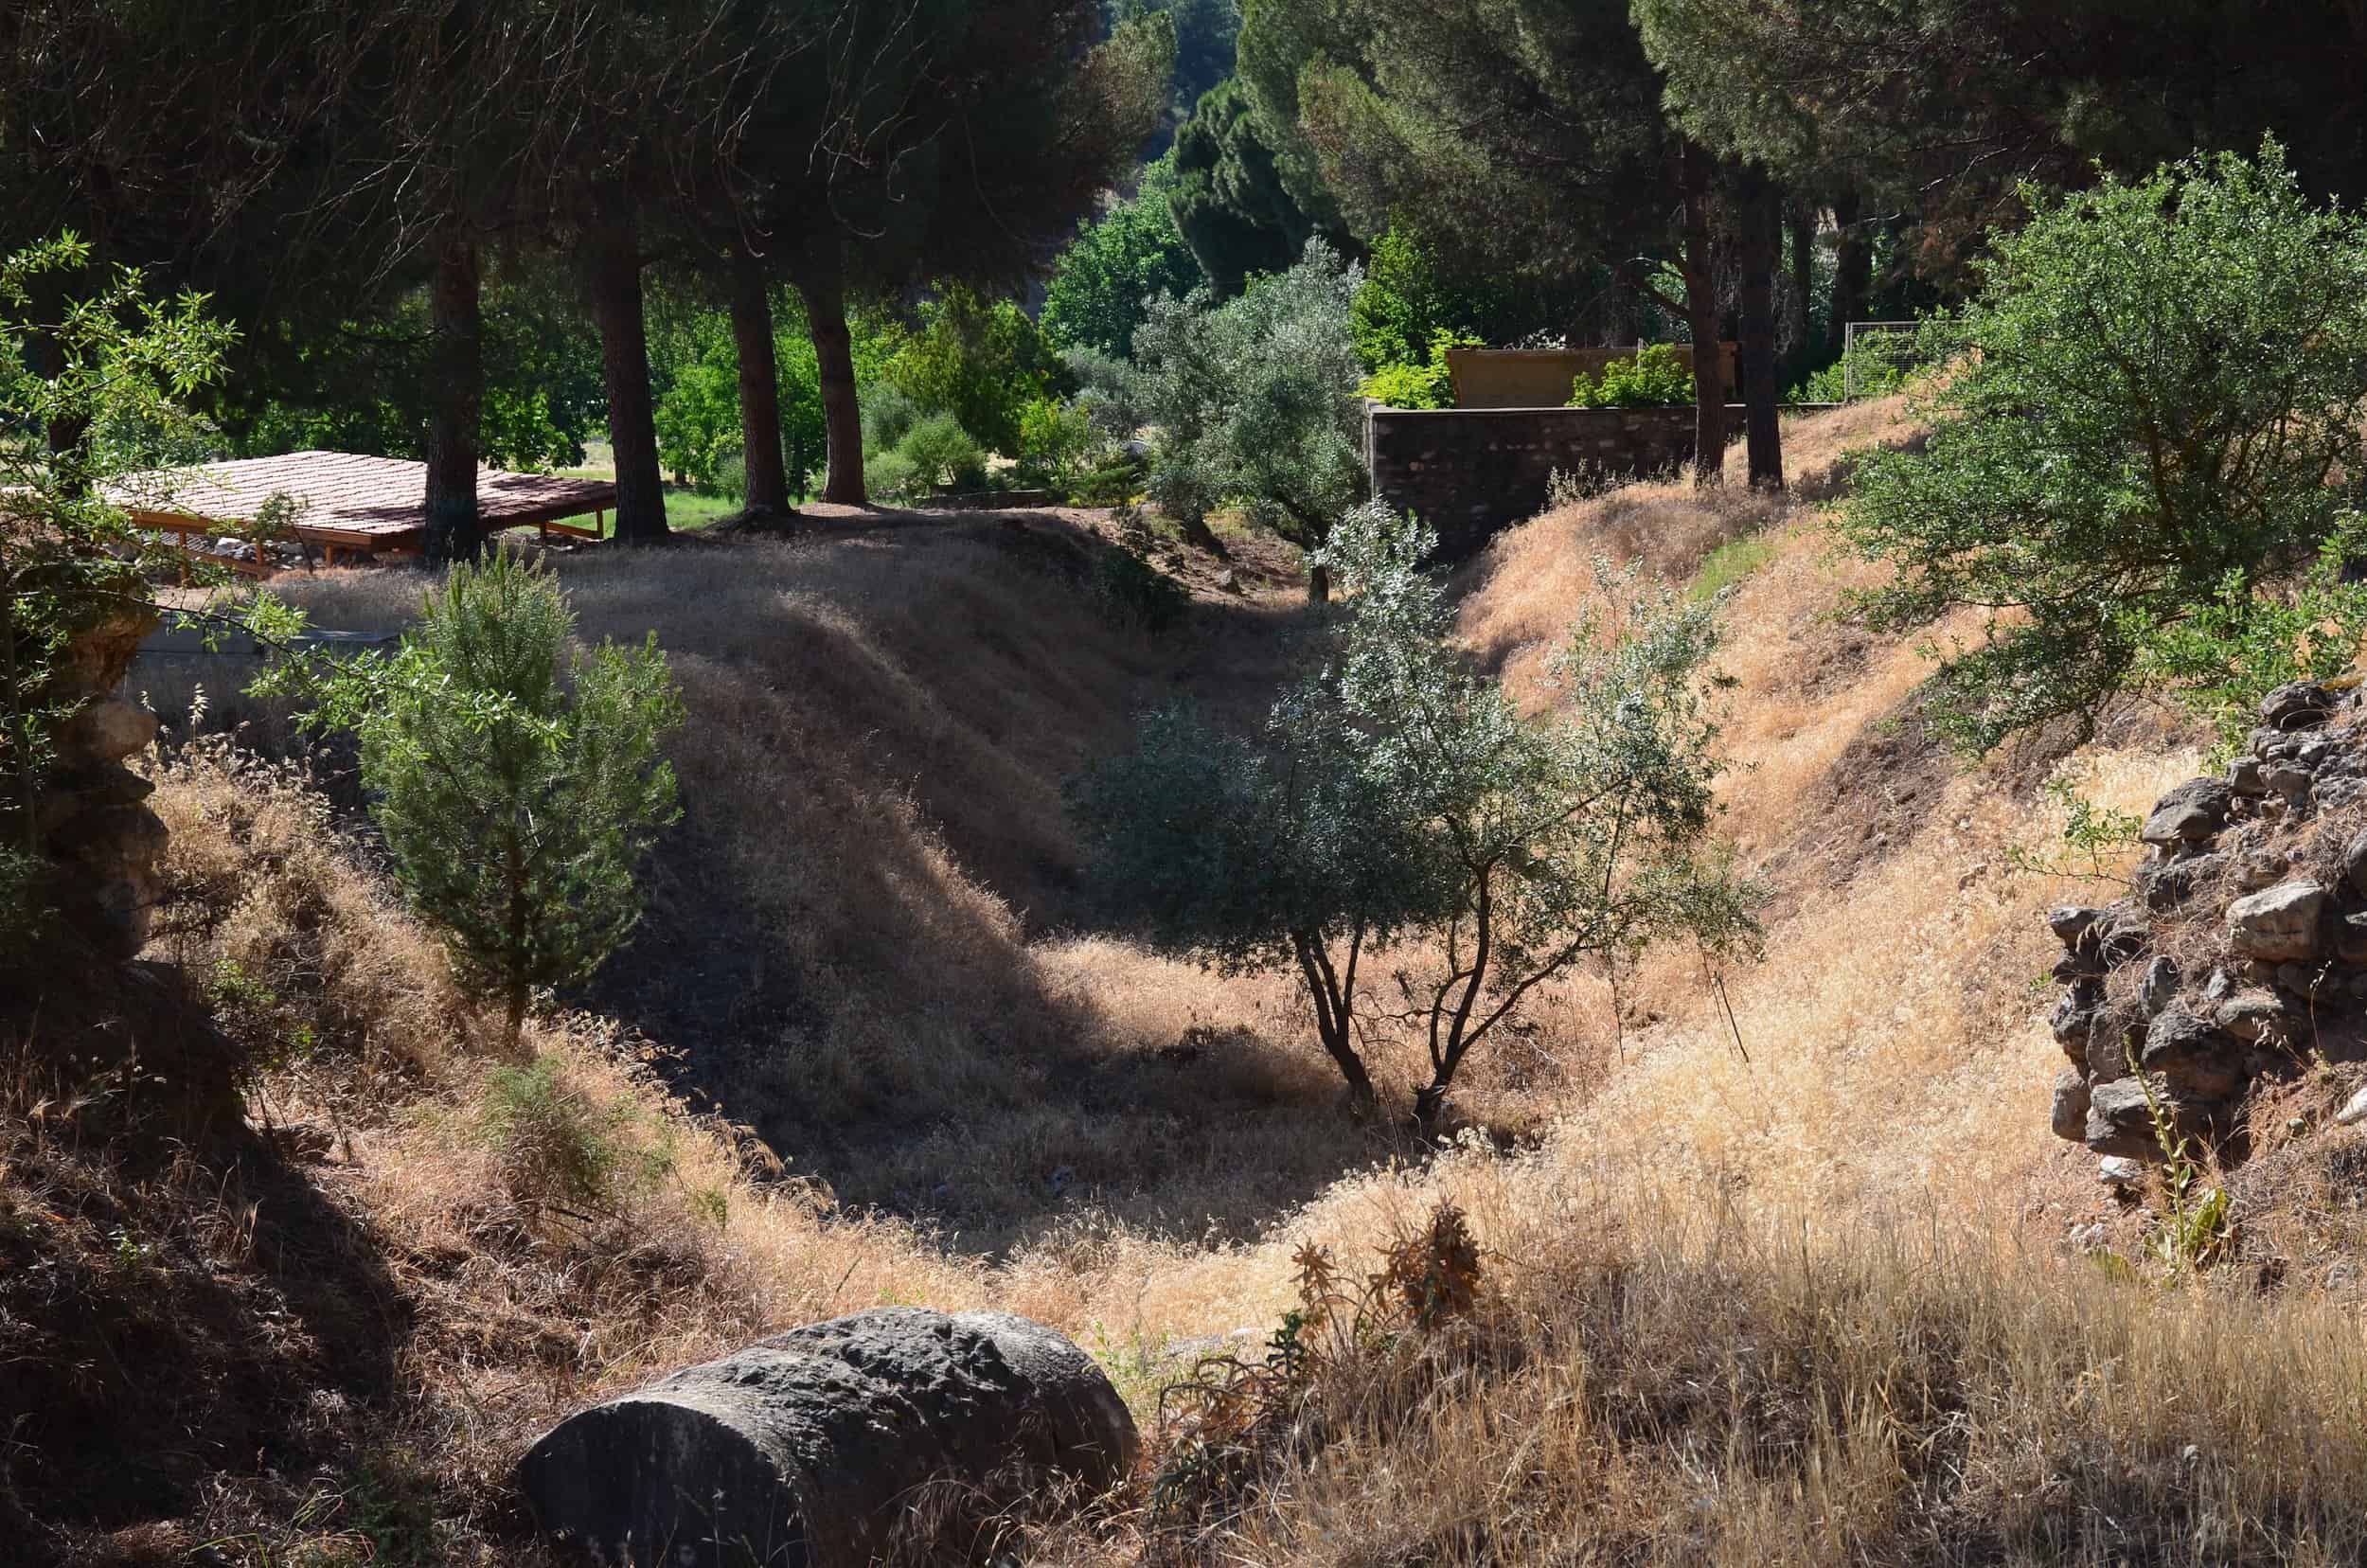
[1801,304]
[1762,218]
[456,531]
[834,355]
[1699,266]
[759,388]
[1853,269]
[615,257]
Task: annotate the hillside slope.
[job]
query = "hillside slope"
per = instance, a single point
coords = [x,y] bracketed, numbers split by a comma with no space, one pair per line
[1773,1261]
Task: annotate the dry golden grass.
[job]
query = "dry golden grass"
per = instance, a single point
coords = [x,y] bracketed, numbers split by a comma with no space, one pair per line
[1808,1307]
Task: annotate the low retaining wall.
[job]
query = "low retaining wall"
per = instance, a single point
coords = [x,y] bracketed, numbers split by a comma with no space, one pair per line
[1470,472]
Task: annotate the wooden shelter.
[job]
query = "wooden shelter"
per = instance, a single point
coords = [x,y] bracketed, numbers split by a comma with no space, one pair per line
[341,504]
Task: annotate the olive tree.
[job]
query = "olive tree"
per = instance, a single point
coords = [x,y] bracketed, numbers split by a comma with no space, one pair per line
[2158,386]
[1397,799]
[517,792]
[1255,403]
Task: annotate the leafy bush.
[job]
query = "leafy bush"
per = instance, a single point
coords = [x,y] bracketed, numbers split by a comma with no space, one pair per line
[698,422]
[112,361]
[516,798]
[888,416]
[1425,385]
[559,1148]
[1876,373]
[979,362]
[892,477]
[1655,377]
[1054,437]
[2155,397]
[1132,254]
[2234,647]
[1254,401]
[942,452]
[1398,793]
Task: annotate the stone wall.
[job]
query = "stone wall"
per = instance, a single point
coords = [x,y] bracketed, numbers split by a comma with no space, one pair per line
[1470,472]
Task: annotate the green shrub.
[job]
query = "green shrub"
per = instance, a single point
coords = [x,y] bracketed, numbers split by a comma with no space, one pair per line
[942,452]
[559,1149]
[895,478]
[119,364]
[516,797]
[1055,434]
[2236,648]
[888,416]
[1654,378]
[1255,401]
[979,362]
[1399,793]
[698,422]
[1425,385]
[2151,419]
[1878,375]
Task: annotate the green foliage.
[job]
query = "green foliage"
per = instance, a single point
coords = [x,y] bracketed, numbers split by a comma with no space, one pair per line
[2157,387]
[1868,373]
[698,423]
[1655,377]
[695,371]
[1254,399]
[892,477]
[1406,302]
[1204,31]
[1055,436]
[2249,638]
[1430,385]
[980,361]
[516,797]
[1232,205]
[1730,563]
[1399,793]
[114,364]
[366,387]
[559,1148]
[1132,254]
[942,452]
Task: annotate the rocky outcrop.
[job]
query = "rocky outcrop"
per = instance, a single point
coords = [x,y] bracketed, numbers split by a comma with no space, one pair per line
[104,842]
[885,1437]
[2258,879]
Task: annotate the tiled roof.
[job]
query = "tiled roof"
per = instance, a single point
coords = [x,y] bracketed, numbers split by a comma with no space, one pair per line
[343,496]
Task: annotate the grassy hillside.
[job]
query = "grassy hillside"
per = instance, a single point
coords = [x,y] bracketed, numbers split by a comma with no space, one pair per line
[1773,1261]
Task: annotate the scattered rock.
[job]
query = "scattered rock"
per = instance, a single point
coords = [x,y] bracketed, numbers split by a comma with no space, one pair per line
[2354,1110]
[2250,1016]
[2191,1057]
[813,1447]
[2119,1170]
[2070,1105]
[2244,776]
[2278,925]
[2309,981]
[2120,1121]
[2072,921]
[2289,780]
[2166,883]
[2296,706]
[2196,809]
